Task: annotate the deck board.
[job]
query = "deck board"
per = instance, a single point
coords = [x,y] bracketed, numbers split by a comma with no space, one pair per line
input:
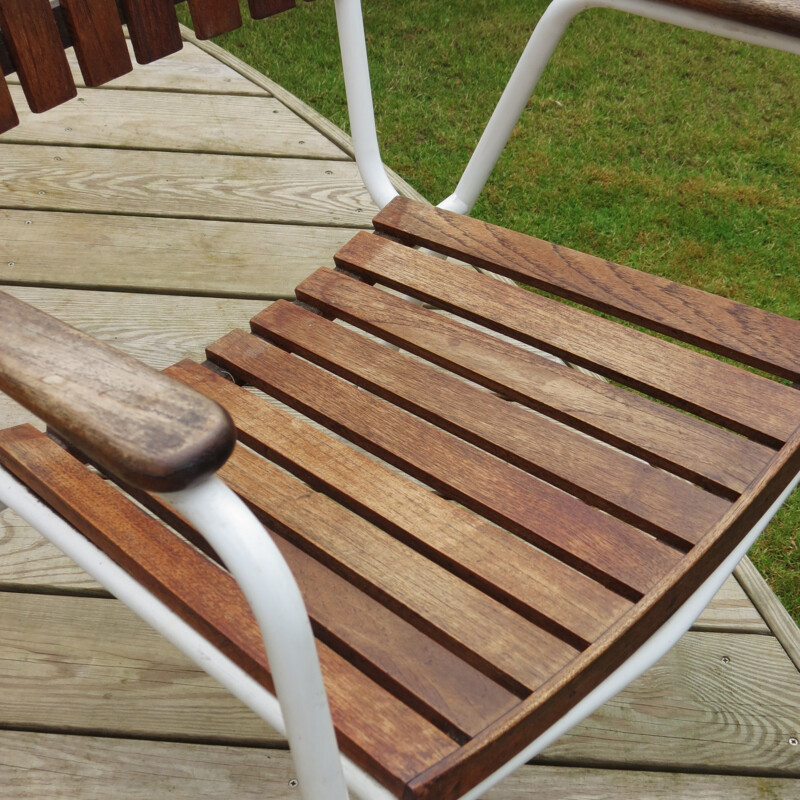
[150,238]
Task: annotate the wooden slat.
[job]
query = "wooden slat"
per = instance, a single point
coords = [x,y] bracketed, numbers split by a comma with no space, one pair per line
[98,40]
[8,114]
[713,389]
[244,188]
[153,28]
[209,599]
[35,45]
[731,611]
[710,456]
[750,335]
[782,16]
[124,415]
[259,9]
[83,665]
[668,507]
[608,550]
[164,255]
[214,17]
[170,121]
[538,587]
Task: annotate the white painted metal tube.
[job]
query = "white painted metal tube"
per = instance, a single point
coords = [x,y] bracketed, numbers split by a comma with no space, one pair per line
[360,109]
[544,39]
[272,592]
[656,646]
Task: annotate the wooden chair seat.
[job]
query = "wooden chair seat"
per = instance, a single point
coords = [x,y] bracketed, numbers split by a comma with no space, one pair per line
[481,533]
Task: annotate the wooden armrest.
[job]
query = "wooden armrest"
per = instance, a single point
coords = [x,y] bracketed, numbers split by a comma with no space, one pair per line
[140,425]
[781,16]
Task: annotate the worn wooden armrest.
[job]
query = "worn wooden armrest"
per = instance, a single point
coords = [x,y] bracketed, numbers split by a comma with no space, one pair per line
[782,16]
[142,426]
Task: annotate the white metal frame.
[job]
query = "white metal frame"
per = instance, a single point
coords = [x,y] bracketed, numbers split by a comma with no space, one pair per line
[301,710]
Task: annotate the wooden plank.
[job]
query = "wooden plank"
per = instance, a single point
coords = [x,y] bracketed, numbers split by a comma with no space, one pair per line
[35,45]
[609,551]
[8,114]
[539,587]
[41,765]
[88,665]
[667,507]
[98,40]
[781,16]
[667,438]
[169,121]
[126,416]
[713,389]
[153,28]
[164,255]
[731,611]
[755,337]
[259,9]
[243,188]
[214,17]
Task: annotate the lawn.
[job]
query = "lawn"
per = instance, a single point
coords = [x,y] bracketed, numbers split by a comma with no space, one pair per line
[668,150]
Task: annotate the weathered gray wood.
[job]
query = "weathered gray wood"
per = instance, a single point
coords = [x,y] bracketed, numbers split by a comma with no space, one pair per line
[87,665]
[161,254]
[731,611]
[40,765]
[170,121]
[248,188]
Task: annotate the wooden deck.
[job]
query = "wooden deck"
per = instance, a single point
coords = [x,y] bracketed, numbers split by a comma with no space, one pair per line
[158,214]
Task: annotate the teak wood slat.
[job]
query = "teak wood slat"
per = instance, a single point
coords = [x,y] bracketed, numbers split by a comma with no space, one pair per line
[97,37]
[8,114]
[214,17]
[32,37]
[755,337]
[781,16]
[635,492]
[153,27]
[702,453]
[259,9]
[444,532]
[720,392]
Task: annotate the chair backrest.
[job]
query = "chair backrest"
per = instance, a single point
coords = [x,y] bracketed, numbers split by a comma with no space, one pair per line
[36,32]
[780,16]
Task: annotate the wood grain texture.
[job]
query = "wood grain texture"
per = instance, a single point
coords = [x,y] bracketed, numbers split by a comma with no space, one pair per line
[208,599]
[755,337]
[153,28]
[667,507]
[125,416]
[782,16]
[8,114]
[259,9]
[242,188]
[214,17]
[89,665]
[609,551]
[35,46]
[539,587]
[162,254]
[198,123]
[715,390]
[662,436]
[98,40]
[44,765]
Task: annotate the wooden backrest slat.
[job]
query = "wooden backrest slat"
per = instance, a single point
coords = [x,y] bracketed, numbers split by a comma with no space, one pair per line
[214,17]
[723,393]
[781,16]
[539,587]
[96,31]
[619,556]
[703,453]
[8,114]
[754,337]
[37,53]
[259,9]
[209,599]
[153,27]
[663,505]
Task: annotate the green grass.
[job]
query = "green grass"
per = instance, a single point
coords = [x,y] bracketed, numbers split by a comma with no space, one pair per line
[671,151]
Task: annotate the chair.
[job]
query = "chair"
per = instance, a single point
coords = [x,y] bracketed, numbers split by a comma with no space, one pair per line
[489,543]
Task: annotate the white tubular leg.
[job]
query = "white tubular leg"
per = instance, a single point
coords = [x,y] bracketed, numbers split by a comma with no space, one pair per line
[269,586]
[537,53]
[355,65]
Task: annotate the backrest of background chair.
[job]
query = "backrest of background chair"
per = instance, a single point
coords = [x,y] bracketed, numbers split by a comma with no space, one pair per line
[36,32]
[782,16]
